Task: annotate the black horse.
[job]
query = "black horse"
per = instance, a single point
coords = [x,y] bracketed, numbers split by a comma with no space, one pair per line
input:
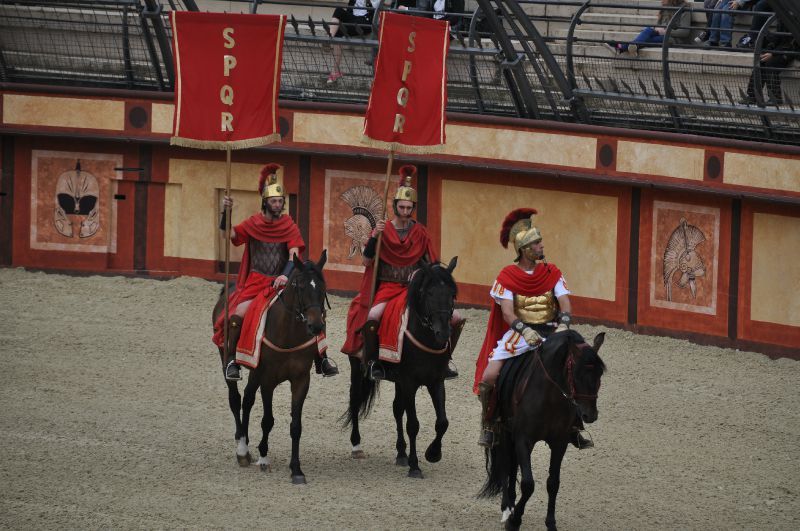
[287,353]
[431,298]
[539,396]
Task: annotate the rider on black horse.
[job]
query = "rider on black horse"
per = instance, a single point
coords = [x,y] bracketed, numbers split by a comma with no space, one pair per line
[405,242]
[272,240]
[532,299]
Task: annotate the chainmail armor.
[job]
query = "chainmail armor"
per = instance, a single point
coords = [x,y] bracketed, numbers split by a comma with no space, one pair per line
[267,258]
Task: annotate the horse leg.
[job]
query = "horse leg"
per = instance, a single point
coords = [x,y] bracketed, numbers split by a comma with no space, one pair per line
[235,403]
[398,408]
[510,490]
[267,422]
[434,452]
[354,405]
[412,429]
[553,482]
[523,453]
[299,393]
[243,456]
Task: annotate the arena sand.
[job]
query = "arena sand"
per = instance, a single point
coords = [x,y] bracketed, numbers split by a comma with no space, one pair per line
[113,414]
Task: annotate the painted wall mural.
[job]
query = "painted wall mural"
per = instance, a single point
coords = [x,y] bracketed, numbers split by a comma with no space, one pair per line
[684,257]
[353,203]
[72,201]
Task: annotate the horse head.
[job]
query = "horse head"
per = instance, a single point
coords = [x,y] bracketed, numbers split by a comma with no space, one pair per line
[584,370]
[306,293]
[432,293]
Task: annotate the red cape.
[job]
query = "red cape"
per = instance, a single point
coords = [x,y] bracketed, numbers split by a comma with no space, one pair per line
[394,252]
[543,279]
[256,227]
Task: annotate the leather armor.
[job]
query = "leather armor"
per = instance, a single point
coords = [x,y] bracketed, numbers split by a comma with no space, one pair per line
[267,258]
[389,273]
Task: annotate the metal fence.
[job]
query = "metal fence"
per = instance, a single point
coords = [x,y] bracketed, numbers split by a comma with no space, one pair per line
[539,59]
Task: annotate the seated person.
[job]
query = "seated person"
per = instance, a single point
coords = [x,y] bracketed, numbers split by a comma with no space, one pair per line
[354,20]
[655,34]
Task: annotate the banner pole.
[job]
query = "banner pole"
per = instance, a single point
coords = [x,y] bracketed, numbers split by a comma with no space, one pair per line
[227,243]
[378,246]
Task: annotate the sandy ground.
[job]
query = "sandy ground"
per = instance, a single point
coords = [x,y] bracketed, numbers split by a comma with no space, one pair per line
[113,414]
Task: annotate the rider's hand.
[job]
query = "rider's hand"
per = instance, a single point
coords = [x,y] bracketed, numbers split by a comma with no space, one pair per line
[562,328]
[227,201]
[379,226]
[531,336]
[280,282]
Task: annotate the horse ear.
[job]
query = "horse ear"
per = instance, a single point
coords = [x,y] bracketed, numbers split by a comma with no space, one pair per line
[322,259]
[452,264]
[598,341]
[297,262]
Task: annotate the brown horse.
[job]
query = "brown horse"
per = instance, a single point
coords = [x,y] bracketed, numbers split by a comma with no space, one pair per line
[539,395]
[287,354]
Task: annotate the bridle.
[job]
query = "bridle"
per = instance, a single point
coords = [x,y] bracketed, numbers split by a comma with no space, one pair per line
[569,368]
[300,313]
[425,317]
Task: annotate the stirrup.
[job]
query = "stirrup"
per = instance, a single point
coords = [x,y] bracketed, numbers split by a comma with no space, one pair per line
[375,371]
[451,372]
[328,367]
[232,372]
[578,441]
[487,438]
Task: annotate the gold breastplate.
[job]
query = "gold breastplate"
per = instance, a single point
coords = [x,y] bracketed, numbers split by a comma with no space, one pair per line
[536,310]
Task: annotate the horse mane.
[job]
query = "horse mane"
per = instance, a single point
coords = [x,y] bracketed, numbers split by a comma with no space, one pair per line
[557,341]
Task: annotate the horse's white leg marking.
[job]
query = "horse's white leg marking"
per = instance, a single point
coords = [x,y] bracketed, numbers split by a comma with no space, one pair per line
[241,448]
[264,461]
[357,448]
[505,515]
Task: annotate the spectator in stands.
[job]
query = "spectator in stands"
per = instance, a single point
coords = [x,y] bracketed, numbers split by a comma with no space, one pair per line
[445,10]
[703,37]
[749,38]
[780,49]
[655,34]
[719,33]
[353,20]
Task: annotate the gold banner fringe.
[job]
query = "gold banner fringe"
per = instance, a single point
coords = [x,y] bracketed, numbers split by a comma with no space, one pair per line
[402,148]
[222,144]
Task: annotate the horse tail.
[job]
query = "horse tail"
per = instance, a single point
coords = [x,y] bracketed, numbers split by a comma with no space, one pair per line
[497,464]
[363,401]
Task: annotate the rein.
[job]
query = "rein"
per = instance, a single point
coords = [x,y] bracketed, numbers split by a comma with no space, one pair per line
[427,349]
[276,348]
[570,365]
[299,315]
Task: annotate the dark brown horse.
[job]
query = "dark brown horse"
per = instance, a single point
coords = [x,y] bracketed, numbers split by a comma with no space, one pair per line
[287,354]
[431,297]
[539,396]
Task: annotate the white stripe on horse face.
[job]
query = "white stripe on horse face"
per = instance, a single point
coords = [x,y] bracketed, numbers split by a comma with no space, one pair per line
[313,284]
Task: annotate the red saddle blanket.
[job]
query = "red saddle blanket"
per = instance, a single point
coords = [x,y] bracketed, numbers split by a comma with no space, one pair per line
[248,350]
[392,330]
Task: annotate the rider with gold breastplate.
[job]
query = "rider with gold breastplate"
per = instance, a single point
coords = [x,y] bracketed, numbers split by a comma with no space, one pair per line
[271,240]
[531,302]
[405,242]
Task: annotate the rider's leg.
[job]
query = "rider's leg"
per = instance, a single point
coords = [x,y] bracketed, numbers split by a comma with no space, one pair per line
[485,391]
[234,330]
[374,367]
[457,325]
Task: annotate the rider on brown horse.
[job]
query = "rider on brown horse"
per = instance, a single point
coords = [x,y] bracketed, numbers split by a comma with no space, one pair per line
[405,242]
[532,299]
[272,240]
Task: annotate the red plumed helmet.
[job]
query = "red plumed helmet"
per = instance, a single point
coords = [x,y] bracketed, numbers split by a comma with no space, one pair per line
[513,217]
[267,171]
[405,191]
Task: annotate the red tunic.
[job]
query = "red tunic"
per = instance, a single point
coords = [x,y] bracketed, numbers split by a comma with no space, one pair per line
[543,279]
[395,252]
[250,284]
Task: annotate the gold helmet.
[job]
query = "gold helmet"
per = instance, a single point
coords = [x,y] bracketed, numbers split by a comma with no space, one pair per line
[405,192]
[268,184]
[519,230]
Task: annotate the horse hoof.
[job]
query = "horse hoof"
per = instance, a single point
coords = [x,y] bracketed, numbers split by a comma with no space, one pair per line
[417,474]
[244,460]
[433,457]
[401,461]
[510,526]
[265,467]
[298,480]
[358,454]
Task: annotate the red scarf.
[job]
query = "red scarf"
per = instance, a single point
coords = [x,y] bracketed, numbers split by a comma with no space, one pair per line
[396,253]
[543,279]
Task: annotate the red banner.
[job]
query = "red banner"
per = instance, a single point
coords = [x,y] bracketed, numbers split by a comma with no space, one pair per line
[406,110]
[228,73]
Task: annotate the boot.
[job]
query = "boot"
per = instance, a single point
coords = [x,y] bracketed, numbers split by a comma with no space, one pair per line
[232,373]
[576,439]
[451,371]
[487,438]
[325,366]
[374,367]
